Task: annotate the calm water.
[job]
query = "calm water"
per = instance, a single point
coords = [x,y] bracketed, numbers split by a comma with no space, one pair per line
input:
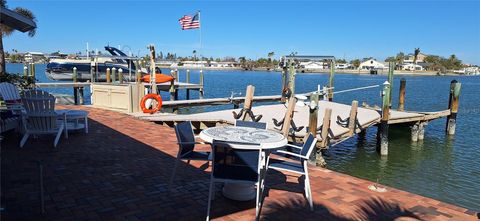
[440,167]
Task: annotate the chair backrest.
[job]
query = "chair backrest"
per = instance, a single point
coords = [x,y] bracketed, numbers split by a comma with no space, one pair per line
[234,164]
[9,92]
[40,110]
[185,137]
[308,145]
[258,125]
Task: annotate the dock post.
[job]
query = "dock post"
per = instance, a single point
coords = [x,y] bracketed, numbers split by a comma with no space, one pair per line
[401,96]
[176,75]
[382,133]
[312,123]
[120,76]
[75,89]
[291,76]
[200,94]
[108,75]
[92,70]
[325,128]
[248,102]
[421,130]
[391,67]
[352,119]
[330,81]
[82,98]
[414,132]
[25,71]
[172,86]
[114,73]
[453,103]
[187,80]
[284,84]
[139,76]
[32,70]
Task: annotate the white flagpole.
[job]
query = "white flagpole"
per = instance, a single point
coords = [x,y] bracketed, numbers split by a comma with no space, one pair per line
[200,30]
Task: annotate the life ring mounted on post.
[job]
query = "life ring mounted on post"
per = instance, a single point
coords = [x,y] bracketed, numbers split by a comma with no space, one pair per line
[144,100]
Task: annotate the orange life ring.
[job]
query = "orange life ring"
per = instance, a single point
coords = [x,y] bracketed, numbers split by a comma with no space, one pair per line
[157,97]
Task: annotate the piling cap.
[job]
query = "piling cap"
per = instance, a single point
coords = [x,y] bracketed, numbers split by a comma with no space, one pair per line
[386,83]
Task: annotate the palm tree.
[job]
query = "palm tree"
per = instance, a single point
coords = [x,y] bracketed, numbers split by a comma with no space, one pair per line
[415,55]
[6,31]
[194,55]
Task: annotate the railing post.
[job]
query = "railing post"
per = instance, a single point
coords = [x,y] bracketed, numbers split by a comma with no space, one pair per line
[453,104]
[382,133]
[108,75]
[330,80]
[401,96]
[313,123]
[352,119]
[172,86]
[187,80]
[114,73]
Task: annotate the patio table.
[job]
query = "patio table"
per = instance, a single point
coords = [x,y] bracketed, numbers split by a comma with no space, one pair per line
[72,119]
[266,139]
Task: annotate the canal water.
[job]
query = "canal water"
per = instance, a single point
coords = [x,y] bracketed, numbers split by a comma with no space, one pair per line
[441,167]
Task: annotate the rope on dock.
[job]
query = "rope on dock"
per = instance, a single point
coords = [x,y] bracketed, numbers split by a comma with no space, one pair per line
[356,89]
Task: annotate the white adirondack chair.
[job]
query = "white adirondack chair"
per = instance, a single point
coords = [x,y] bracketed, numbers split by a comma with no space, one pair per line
[40,117]
[9,93]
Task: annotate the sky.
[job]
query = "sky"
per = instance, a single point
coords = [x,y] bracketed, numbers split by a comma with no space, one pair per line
[345,29]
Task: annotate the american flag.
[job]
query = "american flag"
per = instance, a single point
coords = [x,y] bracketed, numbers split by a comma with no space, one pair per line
[190,22]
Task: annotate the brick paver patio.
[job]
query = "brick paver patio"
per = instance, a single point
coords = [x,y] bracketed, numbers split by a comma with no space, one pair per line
[118,172]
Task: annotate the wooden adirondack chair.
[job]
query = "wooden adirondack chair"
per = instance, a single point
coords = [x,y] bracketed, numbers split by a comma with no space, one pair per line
[40,117]
[10,94]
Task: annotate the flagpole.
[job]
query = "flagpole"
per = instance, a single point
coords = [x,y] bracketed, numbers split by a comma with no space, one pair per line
[200,30]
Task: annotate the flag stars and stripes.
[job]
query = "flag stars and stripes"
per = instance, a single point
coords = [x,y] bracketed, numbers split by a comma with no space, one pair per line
[189,22]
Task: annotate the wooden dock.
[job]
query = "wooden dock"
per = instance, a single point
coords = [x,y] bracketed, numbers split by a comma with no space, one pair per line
[366,117]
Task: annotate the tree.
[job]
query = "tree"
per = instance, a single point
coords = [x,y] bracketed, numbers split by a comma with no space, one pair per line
[415,55]
[400,58]
[6,31]
[390,59]
[341,61]
[355,63]
[194,55]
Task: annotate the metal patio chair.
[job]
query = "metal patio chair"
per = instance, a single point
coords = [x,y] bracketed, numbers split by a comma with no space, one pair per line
[186,145]
[235,165]
[297,164]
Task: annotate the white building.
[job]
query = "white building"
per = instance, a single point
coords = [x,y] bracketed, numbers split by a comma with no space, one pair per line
[34,56]
[343,66]
[314,65]
[372,64]
[412,67]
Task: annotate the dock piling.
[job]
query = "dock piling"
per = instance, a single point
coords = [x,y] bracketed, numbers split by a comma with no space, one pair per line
[200,91]
[120,76]
[382,133]
[330,80]
[172,86]
[312,123]
[391,67]
[75,89]
[291,78]
[325,128]
[25,71]
[139,76]
[187,80]
[421,130]
[401,96]
[453,104]
[108,75]
[414,132]
[352,119]
[114,73]
[284,84]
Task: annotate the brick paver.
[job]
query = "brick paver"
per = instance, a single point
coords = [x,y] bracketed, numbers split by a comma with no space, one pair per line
[118,172]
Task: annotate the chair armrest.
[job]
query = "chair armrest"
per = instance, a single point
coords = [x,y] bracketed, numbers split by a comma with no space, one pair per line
[291,145]
[292,154]
[191,142]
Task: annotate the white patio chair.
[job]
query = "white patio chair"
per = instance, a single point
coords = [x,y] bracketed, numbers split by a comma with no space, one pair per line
[40,117]
[235,166]
[186,147]
[9,93]
[300,166]
[258,125]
